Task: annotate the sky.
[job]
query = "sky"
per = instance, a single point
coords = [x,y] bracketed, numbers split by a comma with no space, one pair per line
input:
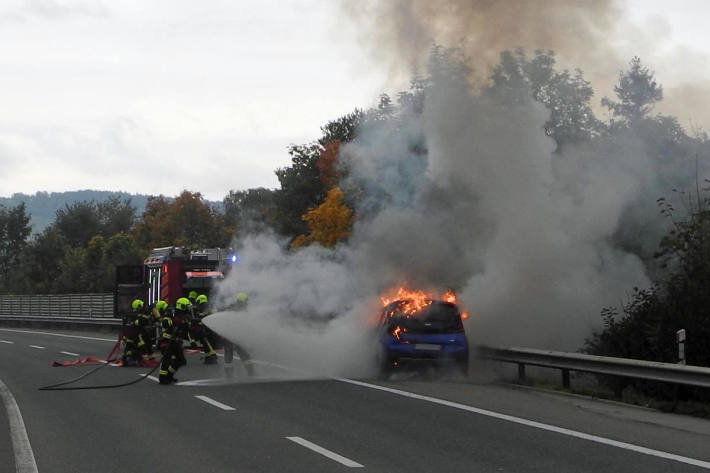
[155,97]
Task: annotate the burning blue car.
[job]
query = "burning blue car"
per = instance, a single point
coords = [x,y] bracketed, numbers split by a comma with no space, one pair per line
[422,332]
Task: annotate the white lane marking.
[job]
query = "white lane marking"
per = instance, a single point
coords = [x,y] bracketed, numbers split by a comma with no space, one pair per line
[537,425]
[24,458]
[59,335]
[68,353]
[6,341]
[209,400]
[327,453]
[37,347]
[152,378]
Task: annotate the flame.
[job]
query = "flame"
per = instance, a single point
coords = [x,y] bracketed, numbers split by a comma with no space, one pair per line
[397,330]
[449,297]
[404,294]
[414,301]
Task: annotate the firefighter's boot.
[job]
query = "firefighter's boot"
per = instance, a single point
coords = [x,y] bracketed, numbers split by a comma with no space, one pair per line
[211,359]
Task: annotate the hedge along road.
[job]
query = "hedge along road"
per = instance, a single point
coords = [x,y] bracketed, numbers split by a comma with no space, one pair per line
[278,423]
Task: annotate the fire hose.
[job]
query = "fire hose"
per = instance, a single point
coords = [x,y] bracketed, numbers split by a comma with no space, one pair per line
[63,385]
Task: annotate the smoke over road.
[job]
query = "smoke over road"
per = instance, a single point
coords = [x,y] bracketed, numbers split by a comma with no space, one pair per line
[470,194]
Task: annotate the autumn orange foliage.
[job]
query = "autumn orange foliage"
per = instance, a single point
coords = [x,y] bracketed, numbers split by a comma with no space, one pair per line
[326,163]
[328,223]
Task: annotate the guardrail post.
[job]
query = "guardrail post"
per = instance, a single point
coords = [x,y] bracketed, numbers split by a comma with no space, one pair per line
[565,379]
[521,372]
[680,340]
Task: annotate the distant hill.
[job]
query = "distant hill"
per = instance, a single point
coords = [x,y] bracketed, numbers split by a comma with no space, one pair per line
[42,206]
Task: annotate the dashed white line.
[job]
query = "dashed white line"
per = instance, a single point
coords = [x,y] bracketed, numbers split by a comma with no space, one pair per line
[209,400]
[326,453]
[537,425]
[152,378]
[7,341]
[24,457]
[68,353]
[37,347]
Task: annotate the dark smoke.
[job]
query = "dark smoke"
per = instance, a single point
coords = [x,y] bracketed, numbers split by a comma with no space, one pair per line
[470,194]
[401,32]
[595,36]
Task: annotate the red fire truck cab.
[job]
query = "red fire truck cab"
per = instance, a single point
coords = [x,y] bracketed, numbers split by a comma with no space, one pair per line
[170,273]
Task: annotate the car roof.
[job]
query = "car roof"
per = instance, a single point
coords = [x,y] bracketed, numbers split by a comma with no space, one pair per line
[392,306]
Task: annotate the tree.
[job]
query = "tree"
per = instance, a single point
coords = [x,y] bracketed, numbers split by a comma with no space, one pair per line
[78,223]
[81,221]
[342,129]
[154,228]
[196,223]
[116,215]
[327,163]
[14,230]
[329,223]
[648,323]
[41,263]
[301,189]
[252,210]
[304,184]
[566,95]
[188,220]
[637,92]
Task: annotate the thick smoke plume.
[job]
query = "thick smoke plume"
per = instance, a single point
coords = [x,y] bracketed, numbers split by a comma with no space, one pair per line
[596,36]
[401,32]
[468,195]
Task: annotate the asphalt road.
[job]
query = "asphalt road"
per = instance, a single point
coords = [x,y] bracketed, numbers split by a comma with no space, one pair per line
[278,423]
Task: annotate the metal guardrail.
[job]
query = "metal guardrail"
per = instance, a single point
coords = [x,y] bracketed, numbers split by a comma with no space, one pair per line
[95,305]
[624,367]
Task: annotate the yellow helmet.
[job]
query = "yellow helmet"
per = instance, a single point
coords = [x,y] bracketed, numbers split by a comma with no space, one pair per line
[136,305]
[183,303]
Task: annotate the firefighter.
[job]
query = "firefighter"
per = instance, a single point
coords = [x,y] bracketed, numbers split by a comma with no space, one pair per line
[192,329]
[130,334]
[174,327]
[145,336]
[159,311]
[230,348]
[241,303]
[203,333]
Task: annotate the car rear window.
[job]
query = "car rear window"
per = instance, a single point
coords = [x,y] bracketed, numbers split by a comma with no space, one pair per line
[439,317]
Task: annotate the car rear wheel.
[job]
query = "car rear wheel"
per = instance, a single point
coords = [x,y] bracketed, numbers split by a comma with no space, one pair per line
[385,365]
[462,366]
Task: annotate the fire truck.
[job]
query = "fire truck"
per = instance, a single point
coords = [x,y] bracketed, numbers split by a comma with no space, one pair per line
[170,273]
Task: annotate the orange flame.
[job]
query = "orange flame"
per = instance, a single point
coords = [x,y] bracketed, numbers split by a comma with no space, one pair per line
[449,297]
[414,301]
[397,330]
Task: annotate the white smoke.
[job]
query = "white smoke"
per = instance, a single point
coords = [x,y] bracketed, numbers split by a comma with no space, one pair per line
[468,195]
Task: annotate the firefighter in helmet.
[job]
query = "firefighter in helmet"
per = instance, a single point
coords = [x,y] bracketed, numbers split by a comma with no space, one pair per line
[192,329]
[230,348]
[241,303]
[202,332]
[144,323]
[130,330]
[174,327]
